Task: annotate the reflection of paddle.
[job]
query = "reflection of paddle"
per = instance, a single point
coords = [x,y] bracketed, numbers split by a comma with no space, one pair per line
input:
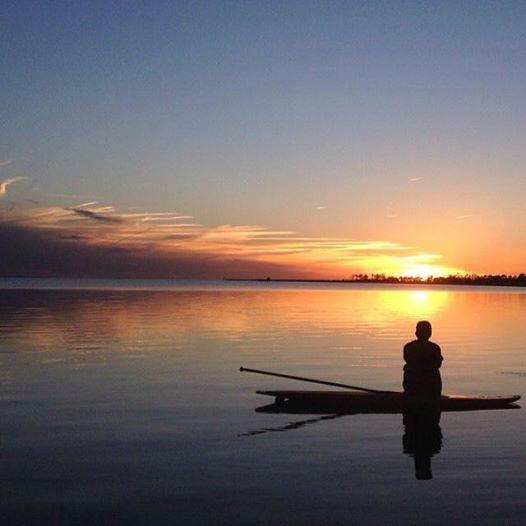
[334,384]
[289,426]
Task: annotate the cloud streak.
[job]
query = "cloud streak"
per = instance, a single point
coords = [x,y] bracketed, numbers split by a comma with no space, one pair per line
[466,216]
[167,244]
[90,214]
[5,162]
[6,182]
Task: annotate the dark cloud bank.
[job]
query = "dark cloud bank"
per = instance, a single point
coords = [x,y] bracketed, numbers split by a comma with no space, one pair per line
[29,252]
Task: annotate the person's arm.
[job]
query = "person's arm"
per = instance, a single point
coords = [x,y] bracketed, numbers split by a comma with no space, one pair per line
[408,355]
[437,358]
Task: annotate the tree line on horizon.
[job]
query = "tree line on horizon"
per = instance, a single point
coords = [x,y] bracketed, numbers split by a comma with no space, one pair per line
[511,280]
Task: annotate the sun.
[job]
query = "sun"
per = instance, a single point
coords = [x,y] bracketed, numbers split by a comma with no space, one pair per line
[422,270]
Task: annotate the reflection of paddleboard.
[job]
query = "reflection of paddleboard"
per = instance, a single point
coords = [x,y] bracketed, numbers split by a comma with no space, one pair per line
[391,402]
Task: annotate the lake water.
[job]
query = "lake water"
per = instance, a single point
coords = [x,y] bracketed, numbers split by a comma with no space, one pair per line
[122,402]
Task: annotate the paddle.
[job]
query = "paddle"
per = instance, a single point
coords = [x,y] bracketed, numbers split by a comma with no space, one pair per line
[335,384]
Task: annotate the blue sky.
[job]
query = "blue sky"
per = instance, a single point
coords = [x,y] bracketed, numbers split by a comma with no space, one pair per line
[398,121]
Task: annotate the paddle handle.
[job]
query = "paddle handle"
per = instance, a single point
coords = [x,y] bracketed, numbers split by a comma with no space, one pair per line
[323,382]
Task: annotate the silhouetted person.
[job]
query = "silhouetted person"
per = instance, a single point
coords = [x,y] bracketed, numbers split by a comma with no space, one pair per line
[422,364]
[422,439]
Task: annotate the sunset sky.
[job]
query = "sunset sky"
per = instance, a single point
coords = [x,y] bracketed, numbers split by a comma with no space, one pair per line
[246,139]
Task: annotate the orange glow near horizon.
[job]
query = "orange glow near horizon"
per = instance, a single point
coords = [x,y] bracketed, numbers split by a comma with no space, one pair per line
[425,270]
[170,236]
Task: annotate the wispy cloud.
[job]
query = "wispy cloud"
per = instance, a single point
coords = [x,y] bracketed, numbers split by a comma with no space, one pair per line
[416,179]
[96,216]
[6,182]
[89,203]
[5,162]
[466,216]
[173,237]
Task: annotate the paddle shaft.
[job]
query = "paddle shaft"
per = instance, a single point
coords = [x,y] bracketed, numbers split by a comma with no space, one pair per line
[334,384]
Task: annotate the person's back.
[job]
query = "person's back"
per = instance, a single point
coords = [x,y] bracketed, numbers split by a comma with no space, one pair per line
[423,359]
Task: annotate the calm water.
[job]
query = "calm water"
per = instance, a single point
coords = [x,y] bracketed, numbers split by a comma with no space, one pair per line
[124,403]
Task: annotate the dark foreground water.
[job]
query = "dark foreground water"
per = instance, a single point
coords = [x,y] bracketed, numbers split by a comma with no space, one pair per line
[124,404]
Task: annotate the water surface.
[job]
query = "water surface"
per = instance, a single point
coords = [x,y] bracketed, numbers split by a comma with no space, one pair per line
[122,401]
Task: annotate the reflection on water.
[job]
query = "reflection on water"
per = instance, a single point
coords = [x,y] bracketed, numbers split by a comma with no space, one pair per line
[290,426]
[318,330]
[128,404]
[422,439]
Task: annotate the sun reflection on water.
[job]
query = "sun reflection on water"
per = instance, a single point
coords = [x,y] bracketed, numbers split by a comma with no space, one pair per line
[415,303]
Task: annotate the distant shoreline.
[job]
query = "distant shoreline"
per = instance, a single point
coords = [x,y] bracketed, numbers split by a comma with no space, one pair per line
[493,281]
[518,281]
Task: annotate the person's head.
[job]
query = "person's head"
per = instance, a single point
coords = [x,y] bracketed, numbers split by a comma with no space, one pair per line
[423,330]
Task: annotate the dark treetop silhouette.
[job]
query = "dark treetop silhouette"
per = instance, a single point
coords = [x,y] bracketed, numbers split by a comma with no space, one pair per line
[486,280]
[422,363]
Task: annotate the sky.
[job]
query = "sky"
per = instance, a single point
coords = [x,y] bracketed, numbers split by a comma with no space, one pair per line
[253,139]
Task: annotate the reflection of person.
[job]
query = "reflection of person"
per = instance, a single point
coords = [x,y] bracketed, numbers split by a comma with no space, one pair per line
[422,363]
[422,439]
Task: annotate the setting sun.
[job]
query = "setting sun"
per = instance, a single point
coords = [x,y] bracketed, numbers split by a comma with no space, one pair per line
[424,271]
